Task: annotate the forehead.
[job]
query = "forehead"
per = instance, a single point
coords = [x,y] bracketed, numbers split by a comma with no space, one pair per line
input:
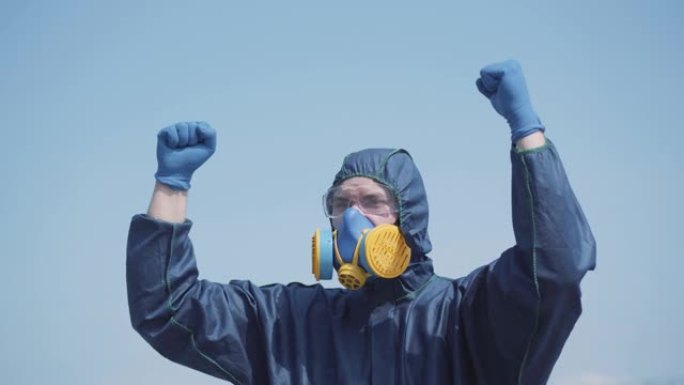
[361,184]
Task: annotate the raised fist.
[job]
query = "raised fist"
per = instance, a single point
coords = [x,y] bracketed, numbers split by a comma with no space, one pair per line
[504,85]
[181,149]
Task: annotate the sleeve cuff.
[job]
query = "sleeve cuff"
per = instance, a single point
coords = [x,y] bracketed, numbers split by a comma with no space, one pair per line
[160,223]
[547,144]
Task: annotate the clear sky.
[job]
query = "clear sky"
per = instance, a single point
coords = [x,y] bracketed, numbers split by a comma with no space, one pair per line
[293,86]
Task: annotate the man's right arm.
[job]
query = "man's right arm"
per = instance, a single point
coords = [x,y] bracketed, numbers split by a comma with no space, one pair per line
[194,322]
[167,204]
[174,311]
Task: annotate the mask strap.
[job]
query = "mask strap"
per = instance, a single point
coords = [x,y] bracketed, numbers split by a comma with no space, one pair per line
[337,251]
[355,258]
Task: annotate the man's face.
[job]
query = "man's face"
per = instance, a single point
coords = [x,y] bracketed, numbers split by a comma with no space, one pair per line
[373,200]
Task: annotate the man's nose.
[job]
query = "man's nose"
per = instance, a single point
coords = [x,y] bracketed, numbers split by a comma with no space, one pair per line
[357,207]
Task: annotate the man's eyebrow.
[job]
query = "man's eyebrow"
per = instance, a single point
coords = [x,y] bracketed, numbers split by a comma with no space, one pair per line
[375,194]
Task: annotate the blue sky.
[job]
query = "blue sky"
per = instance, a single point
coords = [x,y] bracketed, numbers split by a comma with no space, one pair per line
[291,88]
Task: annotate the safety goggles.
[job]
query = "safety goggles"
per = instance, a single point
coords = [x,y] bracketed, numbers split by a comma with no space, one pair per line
[372,199]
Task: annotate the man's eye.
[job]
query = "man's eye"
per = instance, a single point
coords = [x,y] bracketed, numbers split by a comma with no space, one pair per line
[373,202]
[340,204]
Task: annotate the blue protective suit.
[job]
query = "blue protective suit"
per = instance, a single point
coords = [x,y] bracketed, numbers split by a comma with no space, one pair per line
[505,323]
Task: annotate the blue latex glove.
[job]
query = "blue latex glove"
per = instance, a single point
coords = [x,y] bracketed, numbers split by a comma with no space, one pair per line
[181,149]
[504,85]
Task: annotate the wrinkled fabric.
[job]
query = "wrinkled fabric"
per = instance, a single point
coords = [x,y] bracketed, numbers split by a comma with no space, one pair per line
[504,323]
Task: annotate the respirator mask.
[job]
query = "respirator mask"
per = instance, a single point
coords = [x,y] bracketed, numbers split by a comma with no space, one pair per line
[357,248]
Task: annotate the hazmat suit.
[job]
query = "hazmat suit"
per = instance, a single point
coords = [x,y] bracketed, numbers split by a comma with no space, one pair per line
[504,323]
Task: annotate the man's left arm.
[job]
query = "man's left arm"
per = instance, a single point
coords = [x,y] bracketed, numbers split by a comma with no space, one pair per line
[554,249]
[532,141]
[519,310]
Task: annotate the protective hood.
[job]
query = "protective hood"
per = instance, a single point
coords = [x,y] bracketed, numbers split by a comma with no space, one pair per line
[394,168]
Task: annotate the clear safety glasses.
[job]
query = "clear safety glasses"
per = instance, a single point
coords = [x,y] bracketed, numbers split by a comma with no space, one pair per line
[372,199]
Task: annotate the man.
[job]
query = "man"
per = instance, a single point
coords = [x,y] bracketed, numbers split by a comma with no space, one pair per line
[505,323]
